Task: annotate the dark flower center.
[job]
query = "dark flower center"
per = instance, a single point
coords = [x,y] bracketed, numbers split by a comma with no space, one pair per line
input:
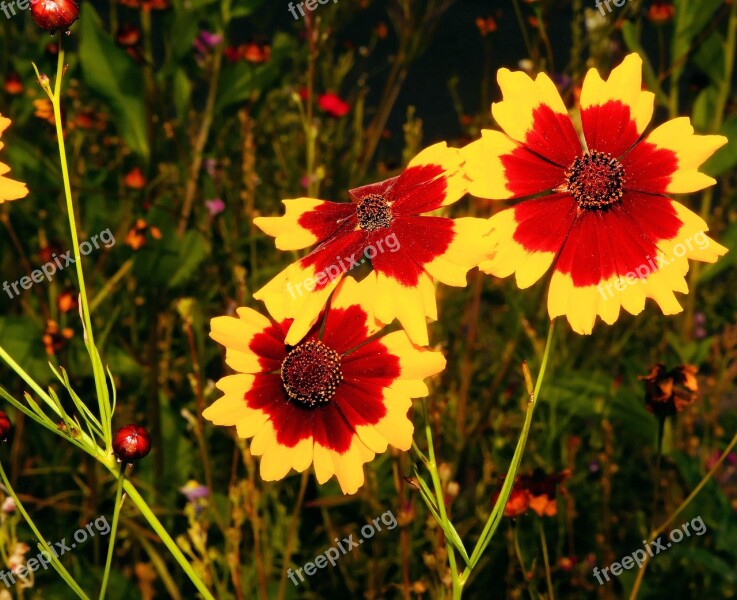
[374,212]
[311,374]
[596,180]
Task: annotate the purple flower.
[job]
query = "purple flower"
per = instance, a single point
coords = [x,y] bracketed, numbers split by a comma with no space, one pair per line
[215,206]
[209,39]
[194,491]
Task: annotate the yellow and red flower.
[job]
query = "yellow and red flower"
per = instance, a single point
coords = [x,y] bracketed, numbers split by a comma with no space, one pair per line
[333,399]
[386,223]
[600,214]
[9,188]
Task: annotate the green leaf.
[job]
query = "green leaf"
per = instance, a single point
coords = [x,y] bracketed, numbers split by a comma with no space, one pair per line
[691,18]
[110,72]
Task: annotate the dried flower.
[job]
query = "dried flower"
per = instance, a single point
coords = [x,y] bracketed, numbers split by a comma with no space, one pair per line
[670,392]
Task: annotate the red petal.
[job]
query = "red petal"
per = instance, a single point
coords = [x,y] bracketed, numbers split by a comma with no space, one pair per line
[544,223]
[609,127]
[648,168]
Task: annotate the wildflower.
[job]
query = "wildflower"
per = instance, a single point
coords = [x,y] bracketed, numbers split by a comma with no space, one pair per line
[5,426]
[387,224]
[8,507]
[381,30]
[128,35]
[215,206]
[137,236]
[9,188]
[661,12]
[601,216]
[256,53]
[55,339]
[518,501]
[13,84]
[333,105]
[131,443]
[135,179]
[333,399]
[194,491]
[44,110]
[542,489]
[486,26]
[232,53]
[55,15]
[670,392]
[67,301]
[18,557]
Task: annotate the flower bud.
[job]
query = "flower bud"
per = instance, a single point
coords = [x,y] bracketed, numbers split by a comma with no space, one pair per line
[55,15]
[131,443]
[5,426]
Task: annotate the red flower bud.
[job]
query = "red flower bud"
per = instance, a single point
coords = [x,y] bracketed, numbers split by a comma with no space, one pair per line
[55,15]
[131,443]
[5,426]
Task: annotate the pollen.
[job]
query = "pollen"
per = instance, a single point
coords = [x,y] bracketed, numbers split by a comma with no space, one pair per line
[374,212]
[311,374]
[596,180]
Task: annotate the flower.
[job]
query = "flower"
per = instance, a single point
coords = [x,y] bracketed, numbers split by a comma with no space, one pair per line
[55,339]
[128,35]
[137,236]
[518,501]
[215,206]
[194,491]
[135,179]
[543,489]
[13,84]
[486,25]
[131,443]
[600,214]
[44,110]
[661,12]
[5,426]
[8,507]
[9,188]
[386,224]
[333,105]
[67,300]
[334,398]
[256,53]
[537,492]
[670,392]
[55,15]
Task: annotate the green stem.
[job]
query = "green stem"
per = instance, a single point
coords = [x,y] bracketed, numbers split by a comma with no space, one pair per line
[496,514]
[41,540]
[432,466]
[163,534]
[546,560]
[113,530]
[655,533]
[97,369]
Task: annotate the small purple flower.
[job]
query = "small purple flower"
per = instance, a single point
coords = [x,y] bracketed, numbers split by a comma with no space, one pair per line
[211,39]
[215,206]
[194,491]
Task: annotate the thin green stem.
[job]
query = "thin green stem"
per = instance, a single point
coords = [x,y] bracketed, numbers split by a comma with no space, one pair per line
[497,512]
[113,529]
[97,369]
[163,534]
[50,555]
[432,466]
[681,507]
[546,560]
